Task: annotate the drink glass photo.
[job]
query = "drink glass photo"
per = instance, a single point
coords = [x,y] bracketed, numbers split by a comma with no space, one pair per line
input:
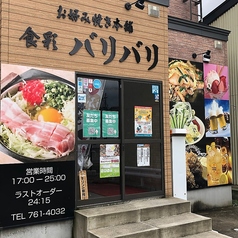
[214,164]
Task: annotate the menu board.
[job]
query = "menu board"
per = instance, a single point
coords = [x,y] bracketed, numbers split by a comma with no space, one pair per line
[36,192]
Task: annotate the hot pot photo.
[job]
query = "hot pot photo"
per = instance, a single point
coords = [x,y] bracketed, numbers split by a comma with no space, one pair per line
[37,117]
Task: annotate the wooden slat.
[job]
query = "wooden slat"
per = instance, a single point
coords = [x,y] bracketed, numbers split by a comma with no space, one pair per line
[83,184]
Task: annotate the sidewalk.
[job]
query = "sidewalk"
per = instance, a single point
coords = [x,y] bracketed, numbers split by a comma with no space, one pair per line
[224,220]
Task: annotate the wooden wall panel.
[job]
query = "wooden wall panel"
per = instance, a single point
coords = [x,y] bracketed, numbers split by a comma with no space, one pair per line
[42,17]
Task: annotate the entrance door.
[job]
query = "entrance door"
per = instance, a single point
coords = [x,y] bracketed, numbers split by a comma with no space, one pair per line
[142,141]
[120,161]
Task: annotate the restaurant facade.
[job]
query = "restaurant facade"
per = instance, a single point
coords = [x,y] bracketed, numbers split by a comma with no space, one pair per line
[86,108]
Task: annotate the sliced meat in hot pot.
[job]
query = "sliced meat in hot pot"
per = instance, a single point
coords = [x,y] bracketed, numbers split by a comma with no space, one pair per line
[49,135]
[12,115]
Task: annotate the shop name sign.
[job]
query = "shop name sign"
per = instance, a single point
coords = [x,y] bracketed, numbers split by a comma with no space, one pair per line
[96,19]
[32,38]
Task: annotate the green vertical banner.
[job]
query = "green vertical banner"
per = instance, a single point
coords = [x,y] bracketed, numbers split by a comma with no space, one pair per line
[91,123]
[110,124]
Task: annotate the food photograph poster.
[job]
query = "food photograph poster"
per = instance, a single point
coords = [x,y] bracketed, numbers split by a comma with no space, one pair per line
[109,160]
[37,114]
[199,103]
[143,121]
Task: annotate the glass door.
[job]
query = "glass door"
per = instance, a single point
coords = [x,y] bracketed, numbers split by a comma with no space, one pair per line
[142,138]
[120,139]
[99,159]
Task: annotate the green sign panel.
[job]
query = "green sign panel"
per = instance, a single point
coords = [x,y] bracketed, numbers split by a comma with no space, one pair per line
[110,124]
[91,123]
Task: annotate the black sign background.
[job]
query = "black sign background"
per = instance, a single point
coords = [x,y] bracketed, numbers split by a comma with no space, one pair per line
[48,194]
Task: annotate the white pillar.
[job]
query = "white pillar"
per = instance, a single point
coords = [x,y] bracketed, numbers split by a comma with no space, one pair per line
[179,163]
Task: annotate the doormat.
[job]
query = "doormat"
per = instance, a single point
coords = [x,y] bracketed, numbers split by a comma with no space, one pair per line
[110,189]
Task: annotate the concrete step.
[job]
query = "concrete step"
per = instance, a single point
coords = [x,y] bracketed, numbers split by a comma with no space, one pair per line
[131,230]
[127,212]
[142,218]
[209,234]
[181,225]
[164,227]
[135,210]
[141,231]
